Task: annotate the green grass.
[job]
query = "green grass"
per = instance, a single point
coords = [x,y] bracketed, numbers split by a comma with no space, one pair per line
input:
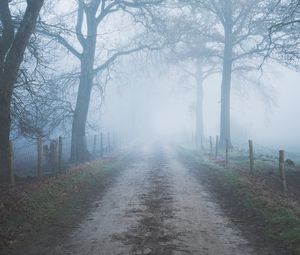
[280,222]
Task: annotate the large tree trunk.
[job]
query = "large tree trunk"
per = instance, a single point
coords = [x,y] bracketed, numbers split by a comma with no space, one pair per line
[226,87]
[199,107]
[12,57]
[5,121]
[226,76]
[79,150]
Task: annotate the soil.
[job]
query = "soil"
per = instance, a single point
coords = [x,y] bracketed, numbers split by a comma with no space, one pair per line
[156,206]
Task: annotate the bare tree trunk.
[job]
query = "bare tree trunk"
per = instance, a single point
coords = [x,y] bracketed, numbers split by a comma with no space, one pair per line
[12,48]
[79,151]
[5,121]
[226,80]
[199,107]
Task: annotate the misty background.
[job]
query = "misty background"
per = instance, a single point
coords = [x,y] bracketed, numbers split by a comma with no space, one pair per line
[160,103]
[136,70]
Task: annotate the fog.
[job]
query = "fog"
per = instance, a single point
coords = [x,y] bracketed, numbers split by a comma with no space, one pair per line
[139,72]
[149,127]
[146,95]
[160,103]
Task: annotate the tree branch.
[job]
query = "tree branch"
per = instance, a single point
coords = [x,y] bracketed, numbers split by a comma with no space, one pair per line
[44,29]
[8,31]
[115,56]
[80,15]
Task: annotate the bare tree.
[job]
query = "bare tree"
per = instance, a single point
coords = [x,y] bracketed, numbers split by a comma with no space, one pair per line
[90,17]
[283,21]
[193,46]
[203,65]
[13,43]
[39,106]
[241,35]
[189,48]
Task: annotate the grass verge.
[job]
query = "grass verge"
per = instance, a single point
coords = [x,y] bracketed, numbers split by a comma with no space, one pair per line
[53,205]
[267,212]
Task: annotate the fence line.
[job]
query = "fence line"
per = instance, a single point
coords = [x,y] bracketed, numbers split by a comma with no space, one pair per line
[255,158]
[45,156]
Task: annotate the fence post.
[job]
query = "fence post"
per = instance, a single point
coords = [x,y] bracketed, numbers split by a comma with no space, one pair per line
[211,145]
[101,144]
[227,153]
[39,156]
[94,145]
[60,150]
[11,169]
[53,155]
[282,170]
[251,155]
[217,146]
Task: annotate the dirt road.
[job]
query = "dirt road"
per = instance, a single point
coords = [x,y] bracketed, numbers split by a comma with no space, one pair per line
[156,207]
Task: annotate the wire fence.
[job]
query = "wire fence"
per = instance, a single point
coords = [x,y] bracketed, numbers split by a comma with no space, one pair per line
[277,165]
[46,156]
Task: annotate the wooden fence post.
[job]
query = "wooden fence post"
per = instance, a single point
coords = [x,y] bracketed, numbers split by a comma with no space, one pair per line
[227,153]
[251,155]
[217,146]
[53,155]
[39,156]
[11,169]
[101,144]
[211,145]
[60,151]
[94,145]
[282,170]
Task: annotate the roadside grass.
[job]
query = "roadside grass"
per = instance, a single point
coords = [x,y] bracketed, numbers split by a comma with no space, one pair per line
[276,216]
[36,206]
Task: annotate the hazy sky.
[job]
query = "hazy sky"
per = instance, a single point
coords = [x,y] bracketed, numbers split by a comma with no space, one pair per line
[159,108]
[160,104]
[276,125]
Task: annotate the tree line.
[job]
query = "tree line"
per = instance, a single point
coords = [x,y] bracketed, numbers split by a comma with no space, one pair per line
[40,91]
